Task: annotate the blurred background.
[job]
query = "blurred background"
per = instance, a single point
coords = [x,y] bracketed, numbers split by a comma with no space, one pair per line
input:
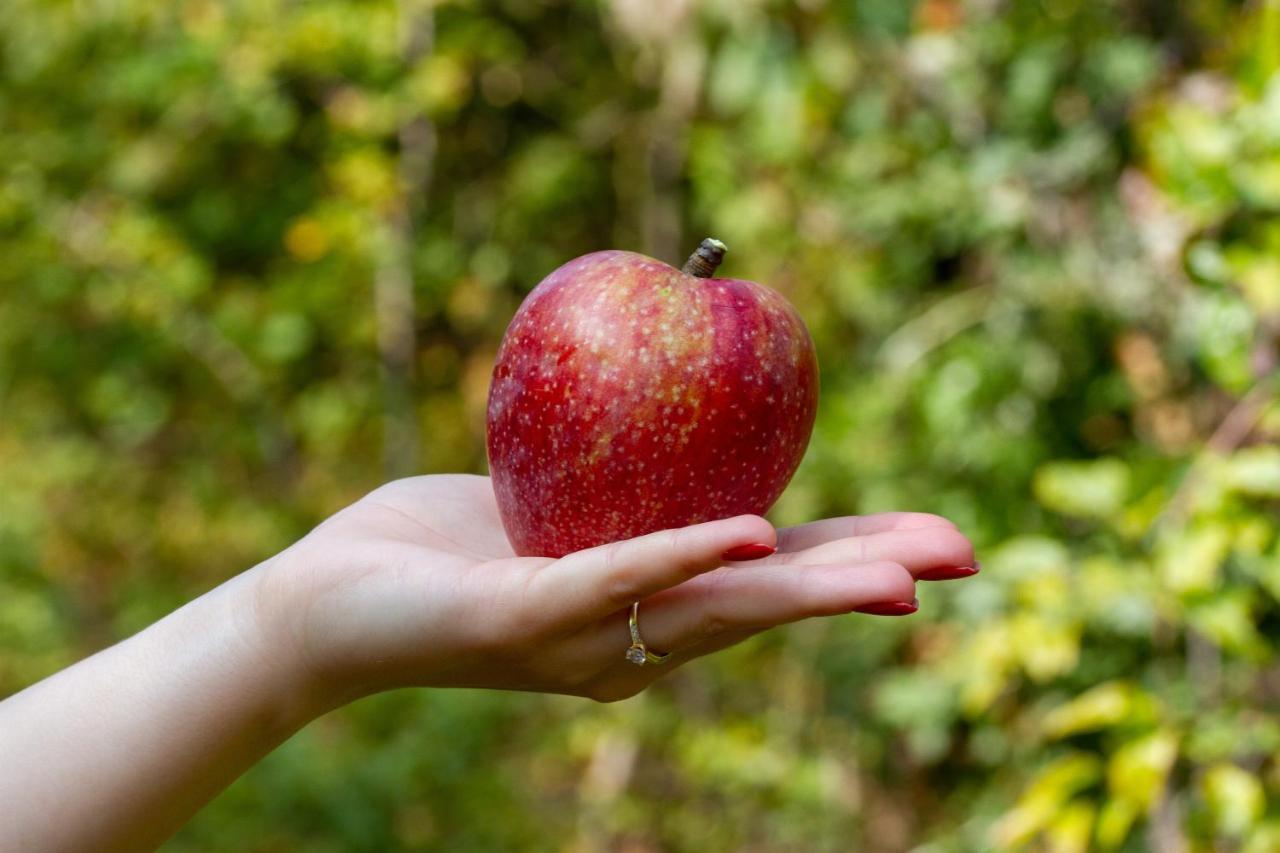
[256,257]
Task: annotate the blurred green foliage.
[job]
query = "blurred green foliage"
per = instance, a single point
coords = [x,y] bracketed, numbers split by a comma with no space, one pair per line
[256,256]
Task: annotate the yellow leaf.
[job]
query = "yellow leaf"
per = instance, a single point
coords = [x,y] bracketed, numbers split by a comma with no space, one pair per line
[1071,831]
[439,84]
[1047,649]
[365,175]
[1099,707]
[1235,798]
[1138,770]
[306,239]
[986,663]
[1192,561]
[1260,282]
[1114,823]
[1054,785]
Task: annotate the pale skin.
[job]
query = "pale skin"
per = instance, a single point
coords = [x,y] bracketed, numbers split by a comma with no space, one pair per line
[414,585]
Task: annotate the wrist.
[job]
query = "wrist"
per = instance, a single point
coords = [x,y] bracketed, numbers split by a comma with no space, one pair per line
[294,692]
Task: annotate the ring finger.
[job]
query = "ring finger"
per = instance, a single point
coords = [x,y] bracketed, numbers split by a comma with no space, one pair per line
[921,551]
[748,598]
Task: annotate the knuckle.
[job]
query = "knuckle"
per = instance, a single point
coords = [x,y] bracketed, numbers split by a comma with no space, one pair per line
[671,542]
[711,625]
[609,557]
[622,582]
[623,587]
[688,564]
[712,621]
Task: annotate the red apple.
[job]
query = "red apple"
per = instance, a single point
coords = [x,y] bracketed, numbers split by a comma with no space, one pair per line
[630,397]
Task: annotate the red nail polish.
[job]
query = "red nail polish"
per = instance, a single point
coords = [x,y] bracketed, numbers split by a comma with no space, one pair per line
[890,608]
[948,573]
[754,551]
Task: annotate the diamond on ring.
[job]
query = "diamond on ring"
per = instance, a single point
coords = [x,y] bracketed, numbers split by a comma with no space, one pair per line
[638,654]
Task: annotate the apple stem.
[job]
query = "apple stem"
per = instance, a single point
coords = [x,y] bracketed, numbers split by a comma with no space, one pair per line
[703,262]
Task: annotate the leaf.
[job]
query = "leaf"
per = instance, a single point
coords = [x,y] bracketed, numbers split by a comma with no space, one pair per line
[915,699]
[1191,562]
[1228,621]
[1054,785]
[1117,596]
[1024,556]
[984,667]
[1255,471]
[1108,704]
[1138,770]
[1093,489]
[1114,822]
[1235,798]
[1047,648]
[1265,838]
[1070,832]
[1260,284]
[1136,775]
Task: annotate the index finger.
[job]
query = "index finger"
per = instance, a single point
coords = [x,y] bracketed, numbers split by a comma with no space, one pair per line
[844,527]
[598,581]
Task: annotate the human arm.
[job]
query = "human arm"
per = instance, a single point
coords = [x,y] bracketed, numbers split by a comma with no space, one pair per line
[414,585]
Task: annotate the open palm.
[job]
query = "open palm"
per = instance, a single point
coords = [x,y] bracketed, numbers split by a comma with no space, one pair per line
[416,584]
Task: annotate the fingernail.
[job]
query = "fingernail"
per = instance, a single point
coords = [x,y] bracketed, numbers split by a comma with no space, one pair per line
[754,551]
[890,608]
[948,573]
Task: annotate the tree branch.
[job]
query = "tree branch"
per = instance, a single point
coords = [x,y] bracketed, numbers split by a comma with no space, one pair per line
[393,284]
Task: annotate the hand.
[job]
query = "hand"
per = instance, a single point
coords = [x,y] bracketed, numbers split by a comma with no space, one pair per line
[416,584]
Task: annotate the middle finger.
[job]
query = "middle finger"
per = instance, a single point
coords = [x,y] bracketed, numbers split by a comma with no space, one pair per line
[920,551]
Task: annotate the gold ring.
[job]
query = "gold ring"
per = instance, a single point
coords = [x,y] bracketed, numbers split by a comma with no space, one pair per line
[638,654]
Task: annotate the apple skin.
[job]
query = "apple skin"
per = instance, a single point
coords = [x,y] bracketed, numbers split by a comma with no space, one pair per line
[629,396]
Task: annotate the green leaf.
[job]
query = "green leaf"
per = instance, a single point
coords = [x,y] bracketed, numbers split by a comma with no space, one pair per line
[1255,471]
[1228,620]
[1191,561]
[1265,838]
[1094,489]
